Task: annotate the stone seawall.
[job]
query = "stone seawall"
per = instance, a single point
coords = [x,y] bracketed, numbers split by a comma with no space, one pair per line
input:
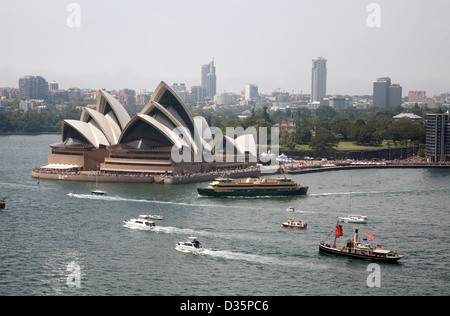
[91,178]
[140,179]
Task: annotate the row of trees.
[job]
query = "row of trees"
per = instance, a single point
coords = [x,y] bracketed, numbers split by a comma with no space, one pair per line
[35,122]
[320,129]
[324,127]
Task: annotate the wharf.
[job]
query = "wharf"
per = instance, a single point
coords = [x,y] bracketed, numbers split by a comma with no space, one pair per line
[298,167]
[329,166]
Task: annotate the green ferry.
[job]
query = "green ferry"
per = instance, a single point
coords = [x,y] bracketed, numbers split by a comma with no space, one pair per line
[224,186]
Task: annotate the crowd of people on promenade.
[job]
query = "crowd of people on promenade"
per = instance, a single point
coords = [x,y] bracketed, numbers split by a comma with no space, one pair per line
[216,172]
[77,172]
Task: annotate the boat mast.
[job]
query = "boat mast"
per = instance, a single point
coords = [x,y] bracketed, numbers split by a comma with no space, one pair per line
[96,179]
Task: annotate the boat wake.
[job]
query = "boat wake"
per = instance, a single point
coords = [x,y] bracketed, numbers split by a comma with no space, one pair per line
[259,259]
[183,231]
[118,198]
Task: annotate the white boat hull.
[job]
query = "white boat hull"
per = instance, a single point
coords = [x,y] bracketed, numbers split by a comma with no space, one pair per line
[191,245]
[188,249]
[138,225]
[354,219]
[99,192]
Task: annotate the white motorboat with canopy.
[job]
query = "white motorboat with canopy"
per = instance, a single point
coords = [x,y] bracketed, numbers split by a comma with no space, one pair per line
[190,245]
[143,222]
[357,219]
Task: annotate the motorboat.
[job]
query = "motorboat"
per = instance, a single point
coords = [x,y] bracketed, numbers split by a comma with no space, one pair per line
[143,222]
[190,245]
[358,219]
[293,224]
[290,209]
[99,192]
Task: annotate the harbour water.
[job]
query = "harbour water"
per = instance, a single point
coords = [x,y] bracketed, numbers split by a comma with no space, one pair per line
[55,244]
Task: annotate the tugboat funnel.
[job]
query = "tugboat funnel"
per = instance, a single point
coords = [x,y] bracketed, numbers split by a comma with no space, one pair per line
[355,238]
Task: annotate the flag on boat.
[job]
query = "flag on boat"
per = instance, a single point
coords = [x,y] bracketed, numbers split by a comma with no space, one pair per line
[339,231]
[370,236]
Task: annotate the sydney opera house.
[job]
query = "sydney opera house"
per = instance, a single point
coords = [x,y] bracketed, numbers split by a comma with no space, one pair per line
[109,140]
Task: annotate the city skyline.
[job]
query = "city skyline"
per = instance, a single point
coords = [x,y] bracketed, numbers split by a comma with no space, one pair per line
[268,43]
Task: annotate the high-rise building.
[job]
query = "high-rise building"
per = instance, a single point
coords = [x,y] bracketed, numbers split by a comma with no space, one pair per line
[395,95]
[251,91]
[197,93]
[319,79]
[380,92]
[209,80]
[386,94]
[438,137]
[53,85]
[31,87]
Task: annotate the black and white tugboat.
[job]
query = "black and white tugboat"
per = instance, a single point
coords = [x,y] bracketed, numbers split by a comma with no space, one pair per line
[354,249]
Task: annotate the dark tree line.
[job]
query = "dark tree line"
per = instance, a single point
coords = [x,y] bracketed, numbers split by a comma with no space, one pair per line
[35,122]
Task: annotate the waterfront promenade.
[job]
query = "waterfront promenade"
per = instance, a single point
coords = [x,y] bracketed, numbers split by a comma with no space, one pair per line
[299,167]
[296,167]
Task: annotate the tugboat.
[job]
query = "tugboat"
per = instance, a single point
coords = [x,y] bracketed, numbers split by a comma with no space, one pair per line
[354,249]
[224,186]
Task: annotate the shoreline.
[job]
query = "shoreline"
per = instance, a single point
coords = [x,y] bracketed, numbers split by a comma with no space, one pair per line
[367,165]
[301,167]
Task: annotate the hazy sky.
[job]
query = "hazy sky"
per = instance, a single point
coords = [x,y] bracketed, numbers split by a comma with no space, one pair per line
[136,44]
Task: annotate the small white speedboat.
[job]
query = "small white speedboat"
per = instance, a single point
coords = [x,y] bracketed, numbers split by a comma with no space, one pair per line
[190,245]
[143,222]
[290,209]
[357,219]
[99,192]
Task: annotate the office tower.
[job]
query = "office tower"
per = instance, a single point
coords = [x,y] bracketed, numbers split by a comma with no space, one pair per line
[205,72]
[319,79]
[386,94]
[53,85]
[31,87]
[395,95]
[197,93]
[380,92]
[251,91]
[209,80]
[438,137]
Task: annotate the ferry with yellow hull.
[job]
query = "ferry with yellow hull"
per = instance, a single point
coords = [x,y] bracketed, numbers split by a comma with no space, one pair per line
[224,186]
